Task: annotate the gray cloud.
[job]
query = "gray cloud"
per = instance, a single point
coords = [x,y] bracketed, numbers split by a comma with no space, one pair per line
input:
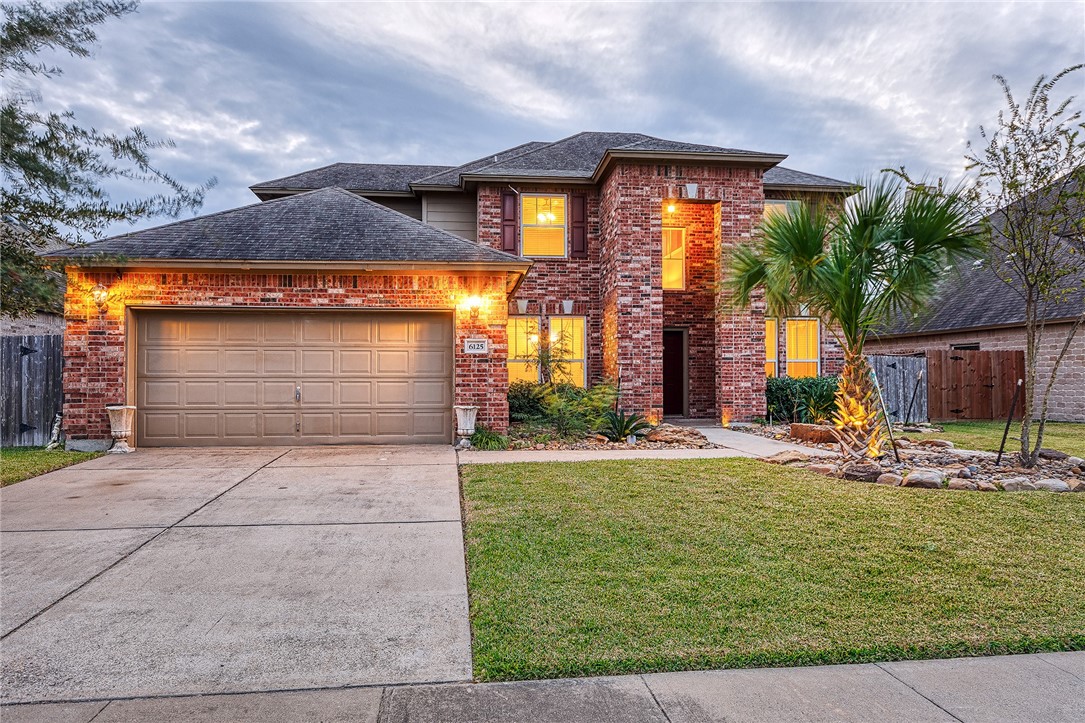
[256,91]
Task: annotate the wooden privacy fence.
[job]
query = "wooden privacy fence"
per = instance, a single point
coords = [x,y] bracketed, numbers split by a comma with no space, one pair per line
[903,381]
[973,384]
[31,393]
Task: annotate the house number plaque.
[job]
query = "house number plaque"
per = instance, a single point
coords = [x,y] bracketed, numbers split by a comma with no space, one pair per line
[476,346]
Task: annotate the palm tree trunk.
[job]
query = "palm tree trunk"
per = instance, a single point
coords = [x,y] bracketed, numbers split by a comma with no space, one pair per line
[857,420]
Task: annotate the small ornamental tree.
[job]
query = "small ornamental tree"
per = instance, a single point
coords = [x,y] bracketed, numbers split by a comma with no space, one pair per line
[1030,191]
[54,168]
[852,266]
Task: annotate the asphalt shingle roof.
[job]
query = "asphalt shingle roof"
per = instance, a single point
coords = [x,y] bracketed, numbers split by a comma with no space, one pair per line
[451,176]
[354,177]
[329,224]
[780,176]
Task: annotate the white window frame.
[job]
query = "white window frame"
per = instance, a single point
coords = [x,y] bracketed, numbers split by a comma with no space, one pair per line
[775,344]
[564,227]
[788,360]
[526,361]
[685,255]
[583,344]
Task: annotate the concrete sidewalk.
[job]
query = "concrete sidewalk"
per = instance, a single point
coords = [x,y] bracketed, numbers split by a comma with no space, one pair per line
[1049,687]
[735,444]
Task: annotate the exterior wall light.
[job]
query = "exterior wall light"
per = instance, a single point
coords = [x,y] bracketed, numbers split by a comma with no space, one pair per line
[100,295]
[474,305]
[670,207]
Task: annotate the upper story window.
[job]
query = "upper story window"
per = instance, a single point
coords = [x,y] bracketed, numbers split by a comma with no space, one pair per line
[774,207]
[543,225]
[674,258]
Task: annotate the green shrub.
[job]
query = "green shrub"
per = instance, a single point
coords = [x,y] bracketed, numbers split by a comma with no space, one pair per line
[618,426]
[485,438]
[800,399]
[526,401]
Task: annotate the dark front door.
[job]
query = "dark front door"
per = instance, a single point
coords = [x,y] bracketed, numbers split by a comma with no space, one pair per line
[674,372]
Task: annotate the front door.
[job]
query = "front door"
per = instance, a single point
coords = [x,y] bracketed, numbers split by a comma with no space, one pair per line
[674,372]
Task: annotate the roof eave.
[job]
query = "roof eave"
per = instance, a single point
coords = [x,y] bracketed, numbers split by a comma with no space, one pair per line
[806,189]
[514,265]
[762,160]
[511,178]
[902,335]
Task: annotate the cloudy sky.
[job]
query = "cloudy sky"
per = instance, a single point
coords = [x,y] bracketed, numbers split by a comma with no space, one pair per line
[255,91]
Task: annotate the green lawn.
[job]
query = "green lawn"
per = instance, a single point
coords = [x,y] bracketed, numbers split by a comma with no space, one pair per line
[625,567]
[19,463]
[1063,436]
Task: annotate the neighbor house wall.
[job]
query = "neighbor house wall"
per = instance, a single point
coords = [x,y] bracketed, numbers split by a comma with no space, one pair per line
[1067,402]
[96,343]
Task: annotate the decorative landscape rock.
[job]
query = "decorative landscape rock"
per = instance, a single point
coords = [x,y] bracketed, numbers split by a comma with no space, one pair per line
[964,473]
[788,456]
[984,486]
[1053,485]
[862,471]
[888,478]
[1077,486]
[829,469]
[813,433]
[961,484]
[1017,484]
[943,443]
[930,479]
[1046,453]
[673,434]
[1075,461]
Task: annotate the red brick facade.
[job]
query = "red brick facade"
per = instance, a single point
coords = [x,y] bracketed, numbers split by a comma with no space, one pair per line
[96,343]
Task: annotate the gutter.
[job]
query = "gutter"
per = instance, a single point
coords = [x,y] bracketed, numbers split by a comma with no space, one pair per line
[289,265]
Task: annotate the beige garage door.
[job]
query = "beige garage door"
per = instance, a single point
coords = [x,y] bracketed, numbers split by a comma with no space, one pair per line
[252,378]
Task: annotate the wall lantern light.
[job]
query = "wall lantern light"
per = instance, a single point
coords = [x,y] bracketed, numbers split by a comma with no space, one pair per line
[670,207]
[473,304]
[100,295]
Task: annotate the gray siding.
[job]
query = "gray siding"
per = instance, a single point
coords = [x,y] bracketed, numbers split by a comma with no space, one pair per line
[453,212]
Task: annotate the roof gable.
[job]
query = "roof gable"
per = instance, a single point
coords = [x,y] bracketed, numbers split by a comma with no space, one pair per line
[329,224]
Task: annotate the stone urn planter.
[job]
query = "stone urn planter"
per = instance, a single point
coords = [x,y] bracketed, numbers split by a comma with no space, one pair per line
[121,421]
[465,420]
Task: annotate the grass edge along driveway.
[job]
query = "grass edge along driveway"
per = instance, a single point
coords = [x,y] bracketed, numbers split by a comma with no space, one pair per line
[603,568]
[20,463]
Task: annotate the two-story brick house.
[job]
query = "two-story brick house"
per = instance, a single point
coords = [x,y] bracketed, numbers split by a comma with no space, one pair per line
[360,302]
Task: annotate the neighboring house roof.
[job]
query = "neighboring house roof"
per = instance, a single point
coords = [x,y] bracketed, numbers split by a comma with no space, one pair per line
[580,158]
[359,177]
[973,297]
[781,178]
[327,225]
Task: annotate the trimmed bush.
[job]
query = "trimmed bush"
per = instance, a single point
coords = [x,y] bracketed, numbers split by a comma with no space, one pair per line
[570,409]
[800,399]
[485,438]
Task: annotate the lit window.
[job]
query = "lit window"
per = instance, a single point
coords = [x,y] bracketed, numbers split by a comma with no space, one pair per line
[567,339]
[803,358]
[523,340]
[674,258]
[779,208]
[542,225]
[771,343]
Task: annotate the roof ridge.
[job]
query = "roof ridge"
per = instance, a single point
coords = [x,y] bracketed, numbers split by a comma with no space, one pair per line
[492,162]
[289,175]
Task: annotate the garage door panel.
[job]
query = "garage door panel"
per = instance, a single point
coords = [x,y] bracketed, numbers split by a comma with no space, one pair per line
[317,361]
[201,361]
[230,378]
[352,361]
[202,394]
[356,393]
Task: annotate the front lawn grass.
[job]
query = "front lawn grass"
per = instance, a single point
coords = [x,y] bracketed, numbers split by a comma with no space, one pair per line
[983,435]
[19,463]
[606,568]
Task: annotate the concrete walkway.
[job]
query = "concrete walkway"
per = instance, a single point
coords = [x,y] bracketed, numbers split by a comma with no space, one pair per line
[735,444]
[196,571]
[1048,688]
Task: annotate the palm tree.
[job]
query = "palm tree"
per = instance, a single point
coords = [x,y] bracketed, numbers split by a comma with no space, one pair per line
[853,266]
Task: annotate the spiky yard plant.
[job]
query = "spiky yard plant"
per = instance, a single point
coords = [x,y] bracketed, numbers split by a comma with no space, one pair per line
[853,265]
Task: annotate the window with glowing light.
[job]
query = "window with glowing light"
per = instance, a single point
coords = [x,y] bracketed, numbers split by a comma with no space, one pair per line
[523,340]
[568,341]
[542,221]
[779,208]
[772,351]
[803,348]
[674,258]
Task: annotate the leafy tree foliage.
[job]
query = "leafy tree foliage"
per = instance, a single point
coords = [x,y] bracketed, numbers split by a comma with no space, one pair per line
[53,167]
[1030,190]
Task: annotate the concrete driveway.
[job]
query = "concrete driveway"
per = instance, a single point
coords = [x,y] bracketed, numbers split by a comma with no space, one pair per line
[173,571]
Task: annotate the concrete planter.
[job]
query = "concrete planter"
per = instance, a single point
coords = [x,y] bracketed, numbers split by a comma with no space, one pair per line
[121,421]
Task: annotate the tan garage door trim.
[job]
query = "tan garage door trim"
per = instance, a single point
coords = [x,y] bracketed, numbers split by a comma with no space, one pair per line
[327,419]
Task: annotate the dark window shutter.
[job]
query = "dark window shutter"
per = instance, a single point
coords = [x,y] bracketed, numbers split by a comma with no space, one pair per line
[510,221]
[578,226]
